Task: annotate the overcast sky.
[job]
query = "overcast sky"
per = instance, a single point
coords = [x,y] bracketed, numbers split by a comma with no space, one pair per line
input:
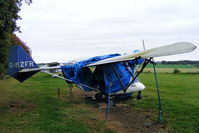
[62,30]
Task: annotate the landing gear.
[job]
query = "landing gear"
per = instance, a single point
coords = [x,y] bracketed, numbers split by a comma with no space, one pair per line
[98,96]
[139,96]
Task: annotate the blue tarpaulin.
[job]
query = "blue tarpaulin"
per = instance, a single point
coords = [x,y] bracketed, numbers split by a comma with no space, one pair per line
[102,75]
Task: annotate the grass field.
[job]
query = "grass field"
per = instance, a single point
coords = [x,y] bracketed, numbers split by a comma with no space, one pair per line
[167,68]
[180,101]
[172,66]
[34,106]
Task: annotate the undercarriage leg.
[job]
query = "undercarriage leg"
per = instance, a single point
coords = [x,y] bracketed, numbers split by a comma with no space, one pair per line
[139,96]
[98,97]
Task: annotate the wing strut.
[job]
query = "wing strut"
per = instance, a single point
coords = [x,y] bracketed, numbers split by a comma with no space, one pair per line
[134,78]
[160,116]
[146,62]
[118,76]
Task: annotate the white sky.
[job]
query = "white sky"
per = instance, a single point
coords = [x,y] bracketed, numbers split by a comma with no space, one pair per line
[62,30]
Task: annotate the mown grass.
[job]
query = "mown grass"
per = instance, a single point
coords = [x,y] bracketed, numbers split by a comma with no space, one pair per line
[34,107]
[180,101]
[169,68]
[172,66]
[38,108]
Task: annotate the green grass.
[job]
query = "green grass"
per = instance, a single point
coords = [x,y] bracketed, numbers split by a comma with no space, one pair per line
[171,66]
[171,70]
[167,68]
[180,100]
[37,108]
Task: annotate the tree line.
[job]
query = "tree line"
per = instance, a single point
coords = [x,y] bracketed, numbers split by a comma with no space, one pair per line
[181,62]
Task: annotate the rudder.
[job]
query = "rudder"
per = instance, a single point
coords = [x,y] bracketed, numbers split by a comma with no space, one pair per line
[18,59]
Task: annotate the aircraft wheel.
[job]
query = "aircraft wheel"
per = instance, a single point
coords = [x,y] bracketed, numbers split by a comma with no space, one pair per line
[98,96]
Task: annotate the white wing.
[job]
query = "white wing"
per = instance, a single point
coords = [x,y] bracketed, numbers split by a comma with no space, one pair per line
[176,48]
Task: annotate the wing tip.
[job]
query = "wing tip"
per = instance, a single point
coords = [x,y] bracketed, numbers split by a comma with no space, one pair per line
[191,45]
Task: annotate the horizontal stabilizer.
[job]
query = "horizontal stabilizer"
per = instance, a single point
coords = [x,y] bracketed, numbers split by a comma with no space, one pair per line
[176,48]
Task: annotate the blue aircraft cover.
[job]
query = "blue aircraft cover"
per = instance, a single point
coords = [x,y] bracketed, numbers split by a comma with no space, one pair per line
[78,73]
[102,76]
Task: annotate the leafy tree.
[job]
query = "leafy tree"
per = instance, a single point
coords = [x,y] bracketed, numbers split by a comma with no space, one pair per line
[15,40]
[8,17]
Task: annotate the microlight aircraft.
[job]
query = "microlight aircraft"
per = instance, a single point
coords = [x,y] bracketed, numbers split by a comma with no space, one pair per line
[111,76]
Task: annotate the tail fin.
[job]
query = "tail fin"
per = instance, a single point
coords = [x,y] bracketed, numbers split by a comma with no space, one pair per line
[18,59]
